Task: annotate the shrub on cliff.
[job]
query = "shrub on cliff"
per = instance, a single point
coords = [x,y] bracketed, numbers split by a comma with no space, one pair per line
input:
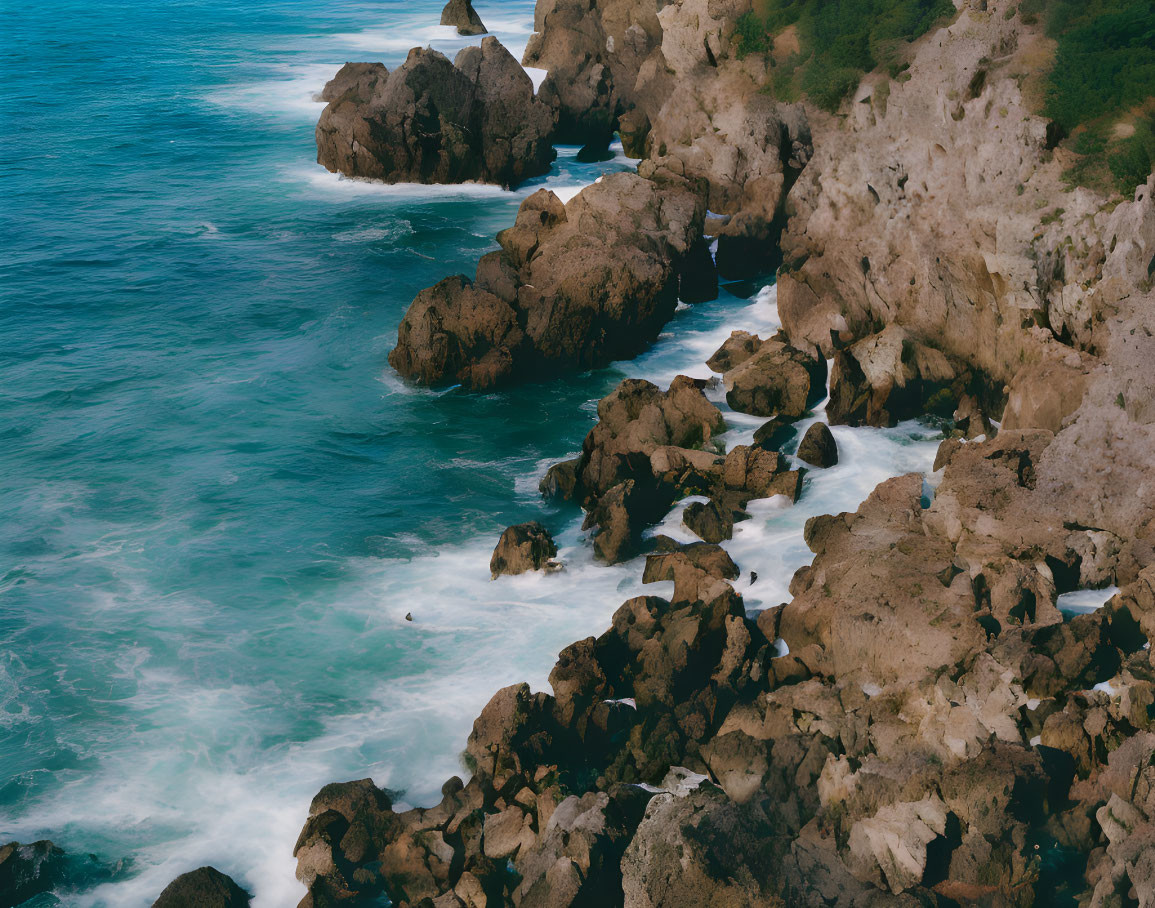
[1101,86]
[839,41]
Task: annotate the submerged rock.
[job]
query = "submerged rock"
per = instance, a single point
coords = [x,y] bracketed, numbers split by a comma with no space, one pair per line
[462,14]
[573,286]
[524,547]
[432,121]
[28,870]
[205,887]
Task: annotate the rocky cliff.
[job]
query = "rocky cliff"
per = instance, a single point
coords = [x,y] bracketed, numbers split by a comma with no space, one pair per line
[919,724]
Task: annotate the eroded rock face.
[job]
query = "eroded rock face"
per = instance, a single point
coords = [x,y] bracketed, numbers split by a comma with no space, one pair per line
[592,53]
[205,887]
[524,547]
[573,286]
[432,121]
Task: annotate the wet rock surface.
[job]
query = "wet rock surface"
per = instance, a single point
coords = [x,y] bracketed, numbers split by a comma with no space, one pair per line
[28,870]
[573,286]
[432,121]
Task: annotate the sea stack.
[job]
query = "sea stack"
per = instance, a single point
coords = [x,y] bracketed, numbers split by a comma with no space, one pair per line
[462,14]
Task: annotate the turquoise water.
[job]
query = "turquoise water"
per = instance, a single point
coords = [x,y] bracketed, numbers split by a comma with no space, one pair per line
[217,504]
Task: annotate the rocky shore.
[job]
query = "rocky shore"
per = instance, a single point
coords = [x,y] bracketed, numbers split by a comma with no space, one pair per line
[920,724]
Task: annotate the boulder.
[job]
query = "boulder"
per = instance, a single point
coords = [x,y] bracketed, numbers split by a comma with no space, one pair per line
[818,447]
[573,286]
[776,380]
[523,547]
[432,121]
[205,887]
[461,14]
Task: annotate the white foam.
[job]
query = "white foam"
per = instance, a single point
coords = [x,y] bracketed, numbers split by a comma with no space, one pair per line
[1082,602]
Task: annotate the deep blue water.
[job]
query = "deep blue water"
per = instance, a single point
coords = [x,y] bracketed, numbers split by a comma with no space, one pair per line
[217,504]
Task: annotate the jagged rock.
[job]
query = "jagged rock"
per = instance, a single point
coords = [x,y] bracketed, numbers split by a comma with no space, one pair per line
[432,121]
[573,286]
[777,380]
[205,887]
[636,459]
[637,418]
[592,56]
[461,14]
[28,870]
[524,547]
[818,446]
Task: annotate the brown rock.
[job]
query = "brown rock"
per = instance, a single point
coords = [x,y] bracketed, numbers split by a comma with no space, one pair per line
[462,14]
[777,380]
[432,121]
[573,287]
[524,547]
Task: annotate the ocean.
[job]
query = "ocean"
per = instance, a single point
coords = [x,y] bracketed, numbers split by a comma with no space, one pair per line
[217,502]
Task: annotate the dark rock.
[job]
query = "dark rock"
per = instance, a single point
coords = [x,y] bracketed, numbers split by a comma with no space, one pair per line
[28,870]
[572,287]
[560,480]
[432,121]
[524,547]
[818,447]
[205,887]
[888,377]
[462,14]
[711,521]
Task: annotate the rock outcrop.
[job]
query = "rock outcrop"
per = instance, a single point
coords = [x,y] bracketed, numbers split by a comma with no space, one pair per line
[668,78]
[205,887]
[462,15]
[432,121]
[524,547]
[573,286]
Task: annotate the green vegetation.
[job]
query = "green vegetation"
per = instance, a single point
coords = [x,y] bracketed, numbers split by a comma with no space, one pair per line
[840,40]
[1101,87]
